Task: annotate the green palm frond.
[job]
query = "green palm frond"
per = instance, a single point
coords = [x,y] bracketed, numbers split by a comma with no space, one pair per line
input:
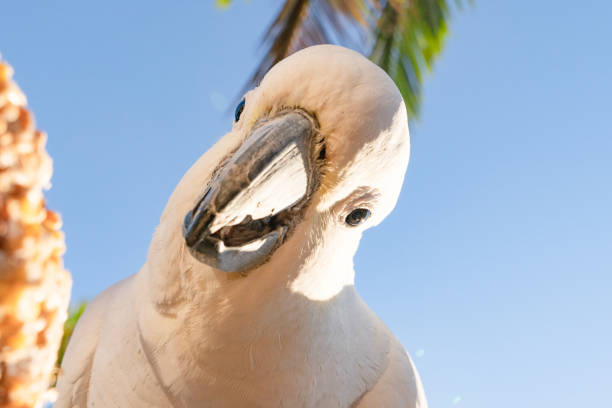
[302,23]
[73,317]
[402,36]
[409,35]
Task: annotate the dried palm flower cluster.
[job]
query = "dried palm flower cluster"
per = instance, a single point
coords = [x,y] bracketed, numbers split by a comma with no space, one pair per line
[34,287]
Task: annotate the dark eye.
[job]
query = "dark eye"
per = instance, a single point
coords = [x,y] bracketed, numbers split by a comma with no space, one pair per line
[239,110]
[357,216]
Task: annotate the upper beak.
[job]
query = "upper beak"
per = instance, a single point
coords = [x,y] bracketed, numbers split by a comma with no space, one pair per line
[254,199]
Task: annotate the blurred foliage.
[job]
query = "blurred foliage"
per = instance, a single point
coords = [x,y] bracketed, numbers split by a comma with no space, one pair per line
[73,316]
[402,36]
[223,3]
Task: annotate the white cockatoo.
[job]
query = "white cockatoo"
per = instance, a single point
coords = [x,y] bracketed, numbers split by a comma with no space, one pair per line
[247,296]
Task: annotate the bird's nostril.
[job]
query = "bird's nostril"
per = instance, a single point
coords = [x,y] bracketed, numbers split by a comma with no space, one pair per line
[321,153]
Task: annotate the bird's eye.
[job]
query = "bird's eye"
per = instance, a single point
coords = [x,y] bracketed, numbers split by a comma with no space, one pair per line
[239,110]
[357,216]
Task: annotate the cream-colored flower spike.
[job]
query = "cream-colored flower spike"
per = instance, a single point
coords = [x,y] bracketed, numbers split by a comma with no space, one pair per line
[34,287]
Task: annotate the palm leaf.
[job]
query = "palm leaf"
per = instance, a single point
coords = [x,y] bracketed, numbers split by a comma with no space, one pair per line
[302,23]
[409,36]
[402,36]
[69,325]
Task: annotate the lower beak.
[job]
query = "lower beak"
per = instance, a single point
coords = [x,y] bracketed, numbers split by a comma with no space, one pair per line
[254,200]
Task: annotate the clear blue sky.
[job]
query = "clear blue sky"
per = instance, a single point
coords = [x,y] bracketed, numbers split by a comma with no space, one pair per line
[498,257]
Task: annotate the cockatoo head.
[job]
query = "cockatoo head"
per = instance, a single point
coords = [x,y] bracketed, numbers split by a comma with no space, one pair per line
[317,153]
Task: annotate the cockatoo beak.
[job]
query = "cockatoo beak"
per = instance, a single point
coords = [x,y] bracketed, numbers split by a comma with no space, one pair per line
[254,200]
